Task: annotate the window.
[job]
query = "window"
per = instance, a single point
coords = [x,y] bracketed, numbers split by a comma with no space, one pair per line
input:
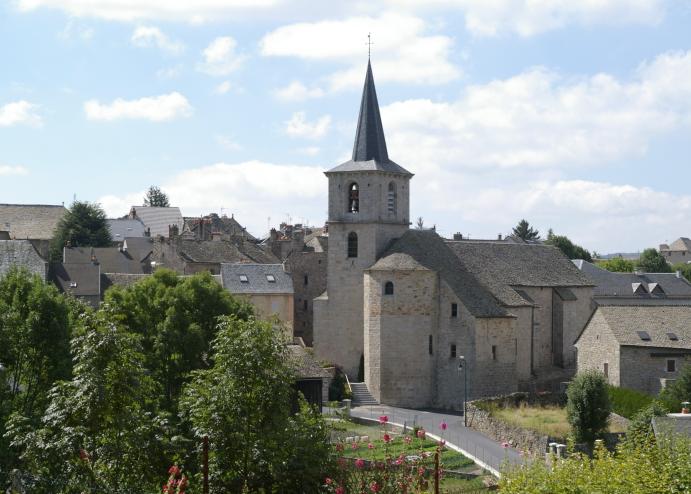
[352,244]
[304,304]
[307,280]
[243,278]
[430,349]
[605,369]
[453,350]
[270,278]
[643,335]
[454,310]
[391,202]
[353,198]
[494,352]
[388,288]
[672,336]
[671,365]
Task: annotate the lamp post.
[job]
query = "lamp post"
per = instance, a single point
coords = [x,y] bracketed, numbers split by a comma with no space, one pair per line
[463,366]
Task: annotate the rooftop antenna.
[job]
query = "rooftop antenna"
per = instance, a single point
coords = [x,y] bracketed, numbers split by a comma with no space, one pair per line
[369,45]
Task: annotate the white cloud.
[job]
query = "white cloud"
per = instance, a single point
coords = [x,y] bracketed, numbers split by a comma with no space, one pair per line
[530,17]
[223,87]
[196,11]
[169,72]
[72,31]
[148,36]
[220,57]
[20,113]
[8,170]
[298,126]
[297,91]
[309,151]
[228,143]
[402,50]
[541,119]
[157,108]
[252,190]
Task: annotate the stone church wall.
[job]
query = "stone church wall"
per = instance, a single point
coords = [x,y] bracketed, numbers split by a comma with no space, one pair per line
[576,316]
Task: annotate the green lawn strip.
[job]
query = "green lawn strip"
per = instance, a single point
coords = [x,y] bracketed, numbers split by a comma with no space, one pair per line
[452,485]
[549,420]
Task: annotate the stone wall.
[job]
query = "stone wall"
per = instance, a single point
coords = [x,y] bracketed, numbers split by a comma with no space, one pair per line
[645,369]
[308,271]
[596,347]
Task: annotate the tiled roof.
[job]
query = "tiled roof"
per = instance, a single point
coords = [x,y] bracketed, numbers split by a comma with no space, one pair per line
[22,254]
[211,251]
[79,279]
[255,278]
[221,224]
[620,285]
[626,321]
[132,260]
[123,228]
[158,220]
[484,275]
[30,221]
[681,244]
[306,366]
[260,254]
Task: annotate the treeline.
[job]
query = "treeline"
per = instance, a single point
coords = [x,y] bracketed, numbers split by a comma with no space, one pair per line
[107,400]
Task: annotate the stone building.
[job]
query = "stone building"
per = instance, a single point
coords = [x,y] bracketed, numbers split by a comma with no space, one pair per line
[158,221]
[637,347]
[21,254]
[409,302]
[677,251]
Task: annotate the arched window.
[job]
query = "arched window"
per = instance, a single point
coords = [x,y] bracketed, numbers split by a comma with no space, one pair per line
[353,198]
[352,244]
[392,198]
[388,288]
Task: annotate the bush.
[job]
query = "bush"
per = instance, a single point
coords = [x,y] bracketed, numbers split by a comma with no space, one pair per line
[677,392]
[338,389]
[628,402]
[587,406]
[641,428]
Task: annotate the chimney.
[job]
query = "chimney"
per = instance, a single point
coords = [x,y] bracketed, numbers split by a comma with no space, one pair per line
[273,235]
[678,273]
[458,236]
[499,237]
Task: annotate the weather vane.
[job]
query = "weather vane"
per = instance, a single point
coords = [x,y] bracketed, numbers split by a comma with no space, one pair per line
[369,45]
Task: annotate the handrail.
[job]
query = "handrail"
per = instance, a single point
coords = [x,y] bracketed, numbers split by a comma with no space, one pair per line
[348,383]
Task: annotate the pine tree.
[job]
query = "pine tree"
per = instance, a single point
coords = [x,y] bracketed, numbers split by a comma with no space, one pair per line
[156,198]
[525,231]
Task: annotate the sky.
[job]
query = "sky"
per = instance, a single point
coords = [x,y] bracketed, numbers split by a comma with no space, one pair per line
[575,115]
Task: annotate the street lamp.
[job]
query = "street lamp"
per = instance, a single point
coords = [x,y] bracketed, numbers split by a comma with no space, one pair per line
[463,366]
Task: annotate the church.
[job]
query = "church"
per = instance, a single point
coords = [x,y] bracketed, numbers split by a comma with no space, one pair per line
[410,303]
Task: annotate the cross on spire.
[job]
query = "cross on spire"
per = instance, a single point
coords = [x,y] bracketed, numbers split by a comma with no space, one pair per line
[369,45]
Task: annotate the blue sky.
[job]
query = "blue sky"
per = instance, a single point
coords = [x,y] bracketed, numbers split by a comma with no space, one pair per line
[573,115]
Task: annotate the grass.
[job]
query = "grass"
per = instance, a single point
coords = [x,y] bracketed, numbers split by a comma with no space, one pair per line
[549,420]
[628,402]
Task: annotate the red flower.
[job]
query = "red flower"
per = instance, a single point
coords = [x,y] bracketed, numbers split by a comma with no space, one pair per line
[328,481]
[360,463]
[370,446]
[421,433]
[174,470]
[383,419]
[443,425]
[340,490]
[339,447]
[387,438]
[374,487]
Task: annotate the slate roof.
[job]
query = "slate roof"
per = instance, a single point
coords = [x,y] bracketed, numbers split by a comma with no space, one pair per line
[21,253]
[132,260]
[215,223]
[260,254]
[676,424]
[30,221]
[158,220]
[257,281]
[484,275]
[306,367]
[657,320]
[211,251]
[78,279]
[681,244]
[122,228]
[369,150]
[620,285]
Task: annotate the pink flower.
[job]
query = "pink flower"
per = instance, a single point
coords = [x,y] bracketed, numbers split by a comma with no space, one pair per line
[339,447]
[387,438]
[360,463]
[328,481]
[408,439]
[340,490]
[421,433]
[370,446]
[442,442]
[354,446]
[443,425]
[383,419]
[504,444]
[374,487]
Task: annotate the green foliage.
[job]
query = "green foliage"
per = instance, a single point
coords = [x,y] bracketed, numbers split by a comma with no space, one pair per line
[684,268]
[84,224]
[618,265]
[525,231]
[641,429]
[570,250]
[628,402]
[338,388]
[99,432]
[635,468]
[34,350]
[243,404]
[679,391]
[177,318]
[155,197]
[587,406]
[651,261]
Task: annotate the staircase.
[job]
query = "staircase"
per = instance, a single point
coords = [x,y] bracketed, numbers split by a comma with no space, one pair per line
[361,395]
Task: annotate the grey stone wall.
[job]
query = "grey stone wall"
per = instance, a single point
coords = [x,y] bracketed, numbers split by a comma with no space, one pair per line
[645,372]
[576,316]
[313,266]
[598,346]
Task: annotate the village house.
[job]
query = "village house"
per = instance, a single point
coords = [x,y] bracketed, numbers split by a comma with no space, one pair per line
[677,251]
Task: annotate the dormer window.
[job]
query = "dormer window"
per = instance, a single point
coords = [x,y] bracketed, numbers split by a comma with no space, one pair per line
[353,198]
[270,278]
[244,279]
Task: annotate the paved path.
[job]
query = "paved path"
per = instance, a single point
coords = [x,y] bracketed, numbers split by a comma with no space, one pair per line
[483,450]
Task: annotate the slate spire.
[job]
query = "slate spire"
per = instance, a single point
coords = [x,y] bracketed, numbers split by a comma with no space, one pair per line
[369,137]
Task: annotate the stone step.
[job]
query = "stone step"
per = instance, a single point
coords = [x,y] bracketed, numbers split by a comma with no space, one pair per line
[361,395]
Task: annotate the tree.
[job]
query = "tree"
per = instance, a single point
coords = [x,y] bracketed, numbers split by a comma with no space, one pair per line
[155,197]
[99,432]
[587,406]
[525,231]
[679,391]
[651,261]
[618,265]
[34,350]
[84,225]
[177,318]
[243,405]
[684,268]
[570,250]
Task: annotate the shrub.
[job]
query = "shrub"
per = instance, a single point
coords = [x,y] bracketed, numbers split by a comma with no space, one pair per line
[588,406]
[677,392]
[628,402]
[338,389]
[641,429]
